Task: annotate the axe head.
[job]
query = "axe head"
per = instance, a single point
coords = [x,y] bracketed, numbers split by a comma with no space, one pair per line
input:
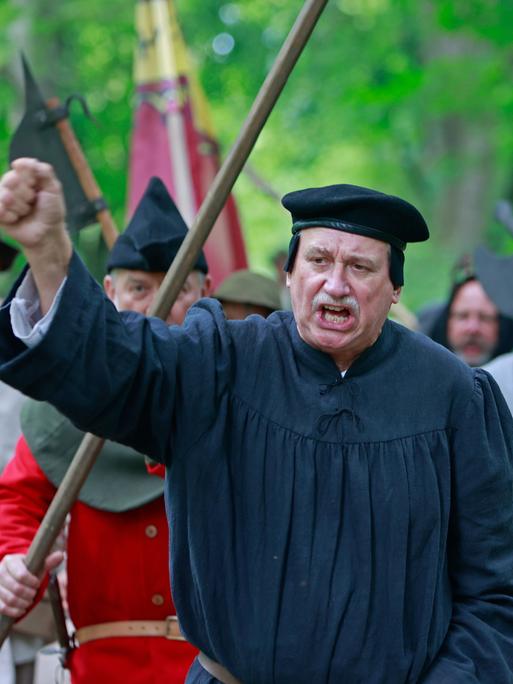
[37,136]
[7,255]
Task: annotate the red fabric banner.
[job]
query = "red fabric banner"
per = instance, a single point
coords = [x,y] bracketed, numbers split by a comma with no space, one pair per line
[172,137]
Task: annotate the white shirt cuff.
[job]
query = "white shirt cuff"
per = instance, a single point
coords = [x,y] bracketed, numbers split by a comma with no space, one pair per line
[27,323]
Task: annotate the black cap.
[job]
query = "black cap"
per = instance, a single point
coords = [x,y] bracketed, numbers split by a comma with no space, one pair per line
[354,209]
[153,236]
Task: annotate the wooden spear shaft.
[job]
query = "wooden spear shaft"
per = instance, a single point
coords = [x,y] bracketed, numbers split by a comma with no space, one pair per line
[185,259]
[237,157]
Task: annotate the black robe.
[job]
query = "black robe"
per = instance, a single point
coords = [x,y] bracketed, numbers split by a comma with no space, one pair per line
[323,530]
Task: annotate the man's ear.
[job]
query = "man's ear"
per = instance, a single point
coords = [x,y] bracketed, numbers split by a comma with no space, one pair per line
[396,294]
[287,279]
[206,290]
[109,287]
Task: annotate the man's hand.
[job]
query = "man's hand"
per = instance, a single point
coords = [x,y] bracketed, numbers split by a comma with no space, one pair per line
[31,203]
[32,211]
[18,586]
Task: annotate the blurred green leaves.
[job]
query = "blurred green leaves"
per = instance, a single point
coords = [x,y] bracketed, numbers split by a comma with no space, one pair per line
[413,97]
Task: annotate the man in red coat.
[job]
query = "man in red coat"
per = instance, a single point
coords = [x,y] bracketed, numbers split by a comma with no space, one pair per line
[117,546]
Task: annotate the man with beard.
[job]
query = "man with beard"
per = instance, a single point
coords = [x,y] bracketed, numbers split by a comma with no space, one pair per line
[338,487]
[117,547]
[470,324]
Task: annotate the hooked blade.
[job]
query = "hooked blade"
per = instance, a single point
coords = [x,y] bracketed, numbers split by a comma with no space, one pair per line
[37,136]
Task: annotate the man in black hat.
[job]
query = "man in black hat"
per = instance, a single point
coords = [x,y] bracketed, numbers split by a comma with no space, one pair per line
[338,487]
[120,602]
[143,253]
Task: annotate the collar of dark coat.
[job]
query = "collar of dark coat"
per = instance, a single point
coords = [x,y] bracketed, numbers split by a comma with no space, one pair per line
[119,480]
[321,363]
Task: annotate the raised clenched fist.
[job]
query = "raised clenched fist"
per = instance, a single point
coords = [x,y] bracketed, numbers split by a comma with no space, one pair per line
[32,211]
[31,203]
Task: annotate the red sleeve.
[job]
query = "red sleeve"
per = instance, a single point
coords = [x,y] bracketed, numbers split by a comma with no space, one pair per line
[25,494]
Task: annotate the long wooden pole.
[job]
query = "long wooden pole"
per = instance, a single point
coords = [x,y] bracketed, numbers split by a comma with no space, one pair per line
[234,162]
[214,201]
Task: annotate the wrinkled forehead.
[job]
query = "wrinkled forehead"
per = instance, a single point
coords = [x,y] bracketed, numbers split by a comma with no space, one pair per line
[337,242]
[128,274]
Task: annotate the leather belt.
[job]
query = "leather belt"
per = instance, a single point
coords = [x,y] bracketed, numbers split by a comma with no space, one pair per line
[168,628]
[216,670]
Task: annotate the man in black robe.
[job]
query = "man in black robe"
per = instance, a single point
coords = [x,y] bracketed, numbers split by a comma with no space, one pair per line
[339,489]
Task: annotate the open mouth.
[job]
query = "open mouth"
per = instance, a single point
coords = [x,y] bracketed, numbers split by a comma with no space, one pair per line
[335,314]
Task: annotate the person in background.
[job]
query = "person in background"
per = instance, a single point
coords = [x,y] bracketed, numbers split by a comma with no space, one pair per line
[18,653]
[469,324]
[244,293]
[118,588]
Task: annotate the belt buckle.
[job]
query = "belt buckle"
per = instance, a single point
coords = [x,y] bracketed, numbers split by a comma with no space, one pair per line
[170,619]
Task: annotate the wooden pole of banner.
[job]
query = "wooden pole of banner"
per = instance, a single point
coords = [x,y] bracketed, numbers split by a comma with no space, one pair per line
[214,201]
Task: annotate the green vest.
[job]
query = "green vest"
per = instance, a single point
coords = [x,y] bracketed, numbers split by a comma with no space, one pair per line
[118,480]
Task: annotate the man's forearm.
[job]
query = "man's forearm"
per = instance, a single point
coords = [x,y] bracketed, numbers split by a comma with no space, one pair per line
[49,267]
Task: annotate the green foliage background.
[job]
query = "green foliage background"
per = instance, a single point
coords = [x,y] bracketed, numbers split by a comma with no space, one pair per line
[412,97]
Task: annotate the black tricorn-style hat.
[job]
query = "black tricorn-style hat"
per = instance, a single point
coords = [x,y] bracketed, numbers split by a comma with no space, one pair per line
[153,236]
[495,273]
[355,209]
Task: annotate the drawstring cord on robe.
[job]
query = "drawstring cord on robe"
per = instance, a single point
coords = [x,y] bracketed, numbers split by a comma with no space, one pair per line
[324,421]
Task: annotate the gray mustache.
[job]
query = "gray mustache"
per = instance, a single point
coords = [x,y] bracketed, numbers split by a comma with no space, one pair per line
[347,302]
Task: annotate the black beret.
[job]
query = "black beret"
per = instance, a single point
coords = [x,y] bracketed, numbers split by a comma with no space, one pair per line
[354,209]
[153,236]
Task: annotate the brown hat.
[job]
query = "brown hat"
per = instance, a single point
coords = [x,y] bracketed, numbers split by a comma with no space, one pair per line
[247,287]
